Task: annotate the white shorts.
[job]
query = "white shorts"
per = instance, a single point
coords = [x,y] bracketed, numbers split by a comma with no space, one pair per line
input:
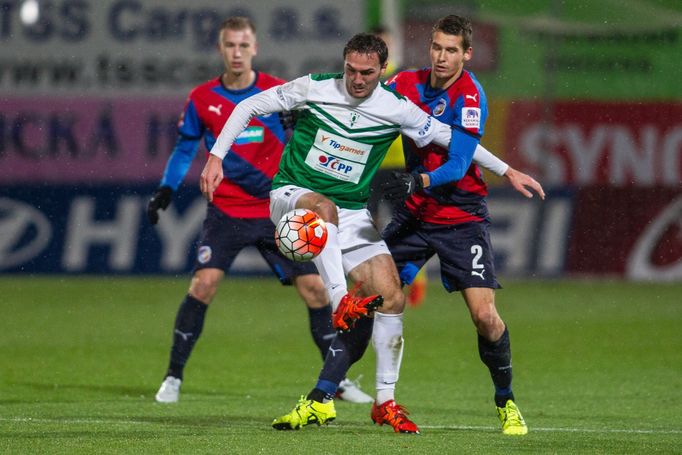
[358,235]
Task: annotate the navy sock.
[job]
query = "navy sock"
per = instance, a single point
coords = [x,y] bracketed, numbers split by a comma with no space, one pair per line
[321,328]
[188,325]
[497,357]
[346,349]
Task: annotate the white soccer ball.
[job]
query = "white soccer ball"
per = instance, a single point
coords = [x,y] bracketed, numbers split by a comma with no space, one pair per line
[301,235]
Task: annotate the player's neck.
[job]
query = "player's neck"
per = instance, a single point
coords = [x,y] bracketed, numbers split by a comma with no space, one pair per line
[238,81]
[444,83]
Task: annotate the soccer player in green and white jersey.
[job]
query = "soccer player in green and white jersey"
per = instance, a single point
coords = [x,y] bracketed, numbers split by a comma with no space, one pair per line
[346,122]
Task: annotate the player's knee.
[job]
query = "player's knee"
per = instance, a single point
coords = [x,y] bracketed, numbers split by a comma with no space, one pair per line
[327,210]
[487,320]
[203,288]
[394,301]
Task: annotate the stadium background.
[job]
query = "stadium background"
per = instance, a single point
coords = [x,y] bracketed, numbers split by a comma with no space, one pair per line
[583,95]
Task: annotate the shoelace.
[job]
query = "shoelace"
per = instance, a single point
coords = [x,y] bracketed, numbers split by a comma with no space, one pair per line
[512,415]
[396,414]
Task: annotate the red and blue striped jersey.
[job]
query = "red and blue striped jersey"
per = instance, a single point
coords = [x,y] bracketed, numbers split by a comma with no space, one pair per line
[464,107]
[252,161]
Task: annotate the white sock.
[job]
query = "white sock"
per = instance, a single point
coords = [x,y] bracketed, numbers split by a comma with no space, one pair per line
[384,395]
[388,342]
[330,265]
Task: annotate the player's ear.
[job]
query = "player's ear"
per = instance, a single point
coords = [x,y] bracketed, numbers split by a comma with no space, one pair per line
[255,48]
[382,71]
[468,54]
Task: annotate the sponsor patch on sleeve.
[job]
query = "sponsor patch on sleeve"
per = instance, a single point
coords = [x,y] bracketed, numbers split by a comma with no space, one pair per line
[471,117]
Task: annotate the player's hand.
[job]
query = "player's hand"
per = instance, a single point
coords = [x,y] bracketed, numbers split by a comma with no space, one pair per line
[211,176]
[159,201]
[521,182]
[401,184]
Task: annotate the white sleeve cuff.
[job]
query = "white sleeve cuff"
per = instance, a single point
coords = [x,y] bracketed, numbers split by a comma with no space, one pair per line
[487,160]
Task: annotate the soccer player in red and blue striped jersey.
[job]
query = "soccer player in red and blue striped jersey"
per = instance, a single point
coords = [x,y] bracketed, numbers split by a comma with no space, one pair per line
[449,217]
[239,214]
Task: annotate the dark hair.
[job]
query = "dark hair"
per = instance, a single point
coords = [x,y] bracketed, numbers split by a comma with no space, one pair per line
[237,23]
[455,25]
[367,43]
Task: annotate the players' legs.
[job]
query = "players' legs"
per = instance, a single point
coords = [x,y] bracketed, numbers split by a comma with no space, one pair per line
[304,276]
[221,239]
[481,304]
[363,251]
[346,349]
[189,321]
[495,352]
[493,340]
[329,261]
[378,275]
[409,252]
[312,291]
[467,265]
[306,280]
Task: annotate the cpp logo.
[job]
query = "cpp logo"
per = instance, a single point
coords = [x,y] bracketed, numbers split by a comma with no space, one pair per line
[335,164]
[24,233]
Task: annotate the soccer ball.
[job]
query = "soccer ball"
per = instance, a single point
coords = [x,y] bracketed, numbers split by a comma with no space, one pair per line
[300,235]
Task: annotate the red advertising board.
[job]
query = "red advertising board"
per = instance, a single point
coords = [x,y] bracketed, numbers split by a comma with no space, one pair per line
[630,232]
[597,143]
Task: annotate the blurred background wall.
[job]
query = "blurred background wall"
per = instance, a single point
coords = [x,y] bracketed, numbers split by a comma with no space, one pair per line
[584,95]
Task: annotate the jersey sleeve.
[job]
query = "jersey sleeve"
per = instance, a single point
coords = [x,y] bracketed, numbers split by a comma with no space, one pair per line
[460,153]
[484,158]
[467,129]
[421,127]
[190,130]
[180,160]
[190,124]
[286,97]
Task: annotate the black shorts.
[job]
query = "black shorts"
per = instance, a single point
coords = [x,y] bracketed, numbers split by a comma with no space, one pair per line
[223,237]
[464,251]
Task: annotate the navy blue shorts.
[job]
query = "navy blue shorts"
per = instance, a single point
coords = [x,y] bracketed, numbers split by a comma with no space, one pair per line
[223,237]
[464,251]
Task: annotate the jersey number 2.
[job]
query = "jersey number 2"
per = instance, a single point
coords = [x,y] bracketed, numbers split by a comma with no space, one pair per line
[477,251]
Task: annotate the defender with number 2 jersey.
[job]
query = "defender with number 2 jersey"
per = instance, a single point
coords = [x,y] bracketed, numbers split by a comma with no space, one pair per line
[254,157]
[462,105]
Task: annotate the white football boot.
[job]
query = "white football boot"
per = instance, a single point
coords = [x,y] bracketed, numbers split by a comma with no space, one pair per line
[350,391]
[169,392]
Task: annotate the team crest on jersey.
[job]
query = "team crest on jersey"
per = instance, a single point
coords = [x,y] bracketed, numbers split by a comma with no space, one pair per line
[440,107]
[354,116]
[204,254]
[471,117]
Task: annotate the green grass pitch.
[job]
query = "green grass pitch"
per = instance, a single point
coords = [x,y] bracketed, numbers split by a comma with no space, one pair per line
[597,369]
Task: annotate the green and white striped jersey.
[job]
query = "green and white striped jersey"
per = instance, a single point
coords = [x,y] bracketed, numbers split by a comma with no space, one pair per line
[339,141]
